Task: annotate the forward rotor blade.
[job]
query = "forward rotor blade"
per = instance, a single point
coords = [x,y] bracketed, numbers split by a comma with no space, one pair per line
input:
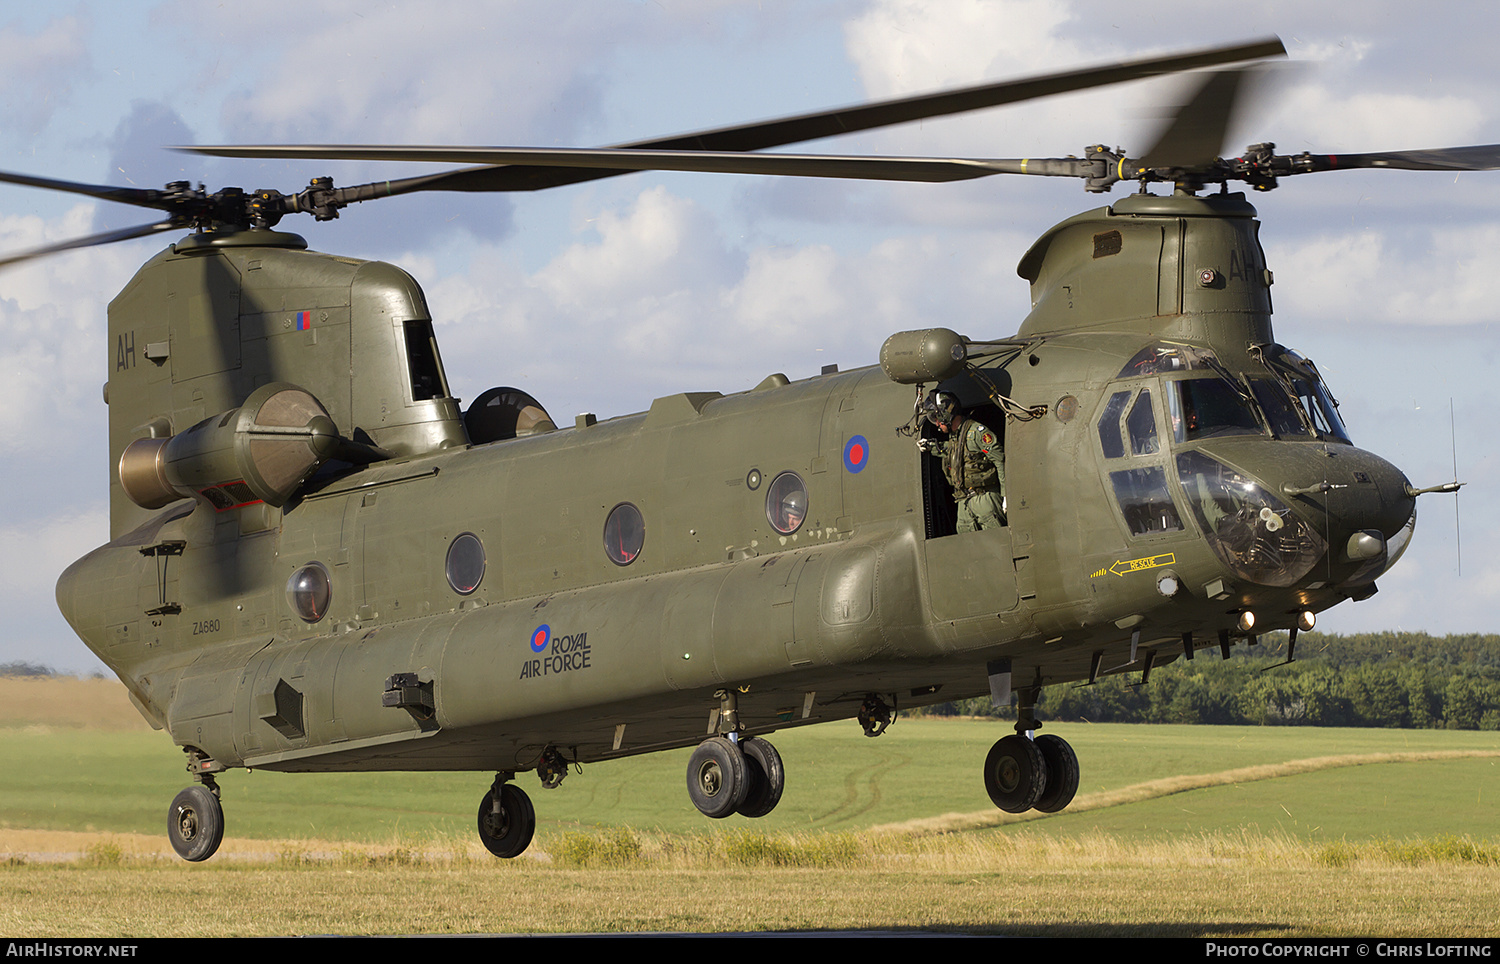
[1482,157]
[107,237]
[792,130]
[1195,136]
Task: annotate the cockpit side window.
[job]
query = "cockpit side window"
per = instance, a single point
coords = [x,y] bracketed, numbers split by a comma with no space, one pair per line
[1141,491]
[1109,426]
[1142,427]
[1145,500]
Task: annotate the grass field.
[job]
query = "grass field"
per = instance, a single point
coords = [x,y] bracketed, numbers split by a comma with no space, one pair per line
[1272,832]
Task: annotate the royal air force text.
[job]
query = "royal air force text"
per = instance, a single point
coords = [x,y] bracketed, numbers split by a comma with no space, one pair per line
[564,654]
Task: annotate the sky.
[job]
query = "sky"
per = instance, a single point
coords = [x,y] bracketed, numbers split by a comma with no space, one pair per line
[600,297]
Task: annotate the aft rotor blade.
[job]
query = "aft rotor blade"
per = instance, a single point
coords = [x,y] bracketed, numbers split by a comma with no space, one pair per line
[123,195]
[792,130]
[933,169]
[107,237]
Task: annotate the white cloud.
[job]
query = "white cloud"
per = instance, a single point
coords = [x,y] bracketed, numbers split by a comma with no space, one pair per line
[32,554]
[466,71]
[1442,277]
[1322,118]
[910,46]
[38,71]
[52,329]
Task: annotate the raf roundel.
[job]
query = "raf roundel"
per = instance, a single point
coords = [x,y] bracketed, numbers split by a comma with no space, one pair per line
[856,453]
[540,637]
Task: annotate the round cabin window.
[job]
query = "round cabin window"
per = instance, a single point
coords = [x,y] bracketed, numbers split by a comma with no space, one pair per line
[309,591]
[465,563]
[624,534]
[786,503]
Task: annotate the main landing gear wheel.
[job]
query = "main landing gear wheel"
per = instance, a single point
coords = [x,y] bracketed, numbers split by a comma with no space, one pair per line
[195,823]
[506,830]
[765,774]
[716,778]
[1062,773]
[1015,774]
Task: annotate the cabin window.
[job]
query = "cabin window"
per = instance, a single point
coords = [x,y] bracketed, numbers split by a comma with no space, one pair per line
[465,563]
[624,534]
[309,591]
[786,503]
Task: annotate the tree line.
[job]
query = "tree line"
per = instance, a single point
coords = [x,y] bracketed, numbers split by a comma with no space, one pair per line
[1408,680]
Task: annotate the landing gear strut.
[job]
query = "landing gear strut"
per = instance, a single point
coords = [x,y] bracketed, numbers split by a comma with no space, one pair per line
[506,819]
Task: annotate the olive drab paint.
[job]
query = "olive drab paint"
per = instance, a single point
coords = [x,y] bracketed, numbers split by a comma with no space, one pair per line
[319,562]
[867,595]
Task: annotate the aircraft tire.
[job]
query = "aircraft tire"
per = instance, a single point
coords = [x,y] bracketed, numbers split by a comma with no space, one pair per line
[507,833]
[765,774]
[1062,773]
[716,778]
[1015,774]
[195,823]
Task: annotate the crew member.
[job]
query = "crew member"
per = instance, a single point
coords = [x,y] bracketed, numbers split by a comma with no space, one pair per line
[972,459]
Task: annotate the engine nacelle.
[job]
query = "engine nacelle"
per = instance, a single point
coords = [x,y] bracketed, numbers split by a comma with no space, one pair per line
[259,452]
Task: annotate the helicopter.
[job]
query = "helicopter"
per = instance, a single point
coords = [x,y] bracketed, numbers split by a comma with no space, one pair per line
[318,561]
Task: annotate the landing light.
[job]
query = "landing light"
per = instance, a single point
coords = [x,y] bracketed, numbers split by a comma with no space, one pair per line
[1246,621]
[1306,620]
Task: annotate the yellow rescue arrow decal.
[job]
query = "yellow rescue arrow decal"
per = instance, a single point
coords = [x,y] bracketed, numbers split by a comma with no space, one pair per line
[1121,567]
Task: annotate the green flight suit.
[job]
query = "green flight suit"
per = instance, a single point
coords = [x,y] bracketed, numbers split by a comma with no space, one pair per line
[974,463]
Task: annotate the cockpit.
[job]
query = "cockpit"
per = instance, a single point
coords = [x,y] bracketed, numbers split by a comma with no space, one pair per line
[1246,515]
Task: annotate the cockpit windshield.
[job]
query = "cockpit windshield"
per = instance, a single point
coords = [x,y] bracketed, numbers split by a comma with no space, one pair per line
[1209,408]
[1281,411]
[1300,381]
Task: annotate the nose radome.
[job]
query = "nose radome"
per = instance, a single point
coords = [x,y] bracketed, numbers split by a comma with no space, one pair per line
[1296,504]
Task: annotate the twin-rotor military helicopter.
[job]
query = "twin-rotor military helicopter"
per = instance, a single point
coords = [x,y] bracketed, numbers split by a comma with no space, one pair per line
[318,561]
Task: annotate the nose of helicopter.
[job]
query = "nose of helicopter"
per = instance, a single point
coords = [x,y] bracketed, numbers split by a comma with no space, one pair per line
[1275,510]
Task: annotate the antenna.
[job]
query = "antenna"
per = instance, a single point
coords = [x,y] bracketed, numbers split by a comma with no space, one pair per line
[1457,529]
